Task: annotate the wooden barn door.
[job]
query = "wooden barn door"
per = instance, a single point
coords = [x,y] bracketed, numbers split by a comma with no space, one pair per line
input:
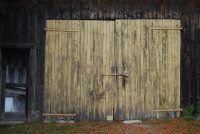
[149,53]
[79,58]
[122,68]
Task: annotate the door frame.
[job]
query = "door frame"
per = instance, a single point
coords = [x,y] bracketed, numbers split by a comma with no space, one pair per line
[29,48]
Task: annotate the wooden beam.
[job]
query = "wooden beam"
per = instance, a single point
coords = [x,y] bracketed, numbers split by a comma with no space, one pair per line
[60,30]
[166,28]
[46,114]
[165,110]
[1,86]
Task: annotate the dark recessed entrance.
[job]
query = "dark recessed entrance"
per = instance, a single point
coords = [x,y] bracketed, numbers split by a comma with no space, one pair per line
[14,91]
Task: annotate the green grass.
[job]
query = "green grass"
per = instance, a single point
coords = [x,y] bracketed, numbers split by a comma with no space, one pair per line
[178,124]
[55,128]
[188,113]
[39,128]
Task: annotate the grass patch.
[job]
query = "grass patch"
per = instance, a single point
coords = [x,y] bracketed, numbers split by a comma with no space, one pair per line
[165,125]
[188,113]
[39,128]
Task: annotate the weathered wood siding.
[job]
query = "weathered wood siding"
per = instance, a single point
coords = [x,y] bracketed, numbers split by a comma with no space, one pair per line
[74,64]
[24,22]
[149,52]
[82,59]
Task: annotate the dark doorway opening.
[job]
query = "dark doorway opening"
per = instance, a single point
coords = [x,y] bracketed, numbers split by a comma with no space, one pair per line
[14,89]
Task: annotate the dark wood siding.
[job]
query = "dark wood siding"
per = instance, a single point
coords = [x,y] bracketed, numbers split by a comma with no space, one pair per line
[25,23]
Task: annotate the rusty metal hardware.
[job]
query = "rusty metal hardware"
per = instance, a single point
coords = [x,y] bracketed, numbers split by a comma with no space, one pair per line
[125,75]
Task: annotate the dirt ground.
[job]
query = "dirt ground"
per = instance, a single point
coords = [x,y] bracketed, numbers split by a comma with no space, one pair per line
[163,126]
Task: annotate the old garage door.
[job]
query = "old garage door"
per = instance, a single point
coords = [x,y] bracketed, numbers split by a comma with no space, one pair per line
[124,68]
[77,55]
[149,51]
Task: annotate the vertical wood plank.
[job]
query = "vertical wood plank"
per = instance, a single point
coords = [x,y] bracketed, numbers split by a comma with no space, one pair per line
[1,96]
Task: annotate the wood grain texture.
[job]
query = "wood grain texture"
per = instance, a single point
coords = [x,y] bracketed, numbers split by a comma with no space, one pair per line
[152,59]
[20,23]
[75,64]
[1,93]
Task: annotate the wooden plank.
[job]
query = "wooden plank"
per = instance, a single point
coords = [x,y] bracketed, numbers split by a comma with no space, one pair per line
[165,110]
[118,41]
[59,30]
[108,62]
[30,61]
[166,28]
[67,115]
[1,86]
[178,65]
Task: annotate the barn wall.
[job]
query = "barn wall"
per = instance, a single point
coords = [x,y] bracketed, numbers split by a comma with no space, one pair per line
[25,23]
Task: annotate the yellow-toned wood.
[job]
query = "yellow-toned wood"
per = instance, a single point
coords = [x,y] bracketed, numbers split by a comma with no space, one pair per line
[79,59]
[166,28]
[152,58]
[60,30]
[45,114]
[166,110]
[122,66]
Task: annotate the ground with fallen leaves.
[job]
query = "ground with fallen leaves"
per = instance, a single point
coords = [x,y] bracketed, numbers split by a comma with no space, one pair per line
[162,126]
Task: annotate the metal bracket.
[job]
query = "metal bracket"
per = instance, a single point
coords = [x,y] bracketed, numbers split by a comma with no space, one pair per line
[125,75]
